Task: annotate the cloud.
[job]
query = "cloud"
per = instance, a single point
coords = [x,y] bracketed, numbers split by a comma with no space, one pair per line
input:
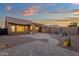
[32,10]
[63,10]
[75,3]
[29,12]
[8,7]
[75,11]
[59,11]
[36,8]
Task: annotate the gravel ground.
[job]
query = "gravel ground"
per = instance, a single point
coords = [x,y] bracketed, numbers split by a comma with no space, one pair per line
[38,47]
[74,41]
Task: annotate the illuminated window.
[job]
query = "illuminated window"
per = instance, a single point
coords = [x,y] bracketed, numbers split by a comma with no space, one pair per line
[26,27]
[37,28]
[31,27]
[13,28]
[19,28]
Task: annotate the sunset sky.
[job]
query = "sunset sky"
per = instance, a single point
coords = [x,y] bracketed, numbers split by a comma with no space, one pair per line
[39,11]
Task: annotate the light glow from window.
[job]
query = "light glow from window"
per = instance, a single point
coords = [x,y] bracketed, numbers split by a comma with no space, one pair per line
[13,28]
[19,28]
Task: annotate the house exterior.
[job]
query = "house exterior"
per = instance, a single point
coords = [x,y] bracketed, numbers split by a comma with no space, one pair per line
[21,26]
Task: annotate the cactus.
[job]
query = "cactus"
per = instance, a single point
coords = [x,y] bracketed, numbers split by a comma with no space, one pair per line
[67,43]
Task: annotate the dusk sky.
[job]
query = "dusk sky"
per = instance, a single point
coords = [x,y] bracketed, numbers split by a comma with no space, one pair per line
[39,11]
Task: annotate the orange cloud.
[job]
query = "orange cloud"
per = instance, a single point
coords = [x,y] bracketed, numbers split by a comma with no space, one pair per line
[33,10]
[30,11]
[75,12]
[63,10]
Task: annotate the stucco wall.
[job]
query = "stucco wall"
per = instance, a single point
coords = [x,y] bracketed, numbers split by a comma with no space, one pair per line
[69,30]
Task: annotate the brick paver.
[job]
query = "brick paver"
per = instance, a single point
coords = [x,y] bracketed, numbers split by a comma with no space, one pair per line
[39,47]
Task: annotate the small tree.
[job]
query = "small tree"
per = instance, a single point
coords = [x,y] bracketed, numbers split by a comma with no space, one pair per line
[73,24]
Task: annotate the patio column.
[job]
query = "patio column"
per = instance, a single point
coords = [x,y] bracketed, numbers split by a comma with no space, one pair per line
[42,28]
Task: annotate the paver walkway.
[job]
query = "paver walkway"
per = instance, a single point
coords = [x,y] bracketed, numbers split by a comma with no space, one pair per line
[39,47]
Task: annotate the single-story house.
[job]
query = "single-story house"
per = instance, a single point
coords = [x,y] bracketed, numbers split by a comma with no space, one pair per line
[21,26]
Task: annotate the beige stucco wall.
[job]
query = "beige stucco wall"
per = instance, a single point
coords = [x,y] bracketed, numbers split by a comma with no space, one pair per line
[69,30]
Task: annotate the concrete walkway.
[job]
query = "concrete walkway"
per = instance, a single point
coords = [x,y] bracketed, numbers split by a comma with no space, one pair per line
[39,47]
